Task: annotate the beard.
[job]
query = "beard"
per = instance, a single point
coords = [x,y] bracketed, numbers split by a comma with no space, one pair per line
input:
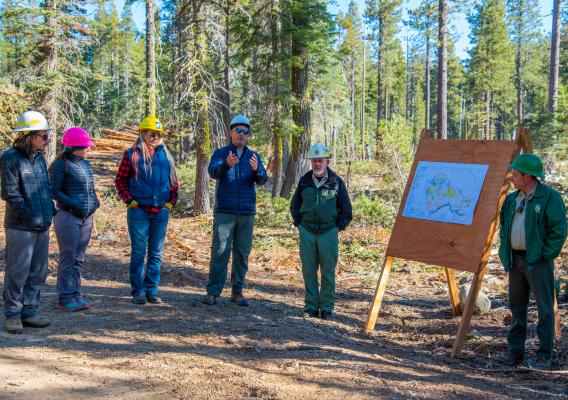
[319,172]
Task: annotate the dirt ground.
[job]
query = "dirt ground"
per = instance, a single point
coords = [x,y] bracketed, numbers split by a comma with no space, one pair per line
[182,349]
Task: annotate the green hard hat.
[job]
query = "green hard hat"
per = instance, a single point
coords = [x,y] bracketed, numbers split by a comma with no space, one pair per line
[319,150]
[529,164]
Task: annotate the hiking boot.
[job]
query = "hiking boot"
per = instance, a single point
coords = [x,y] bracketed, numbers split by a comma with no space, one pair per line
[509,359]
[139,299]
[239,299]
[74,306]
[327,316]
[311,314]
[540,364]
[152,298]
[35,322]
[14,325]
[210,299]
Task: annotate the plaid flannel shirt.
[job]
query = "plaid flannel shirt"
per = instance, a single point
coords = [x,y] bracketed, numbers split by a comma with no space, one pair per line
[122,181]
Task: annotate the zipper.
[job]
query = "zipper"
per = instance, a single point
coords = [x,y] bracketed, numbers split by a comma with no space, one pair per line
[88,190]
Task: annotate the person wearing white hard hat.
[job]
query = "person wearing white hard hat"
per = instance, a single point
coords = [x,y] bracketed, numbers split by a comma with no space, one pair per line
[320,209]
[29,211]
[73,189]
[237,170]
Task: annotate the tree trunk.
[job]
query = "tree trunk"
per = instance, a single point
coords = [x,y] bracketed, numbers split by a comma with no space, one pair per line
[488,119]
[380,93]
[380,113]
[150,58]
[274,108]
[442,106]
[226,99]
[519,82]
[554,58]
[300,111]
[352,140]
[50,103]
[202,126]
[427,84]
[519,66]
[363,97]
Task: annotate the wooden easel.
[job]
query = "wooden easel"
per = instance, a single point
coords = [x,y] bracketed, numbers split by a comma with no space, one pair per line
[524,143]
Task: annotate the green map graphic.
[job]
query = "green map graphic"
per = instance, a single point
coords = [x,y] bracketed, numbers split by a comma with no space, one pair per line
[442,194]
[445,192]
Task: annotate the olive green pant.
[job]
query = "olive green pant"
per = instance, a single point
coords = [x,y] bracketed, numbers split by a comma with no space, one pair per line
[231,232]
[319,251]
[539,280]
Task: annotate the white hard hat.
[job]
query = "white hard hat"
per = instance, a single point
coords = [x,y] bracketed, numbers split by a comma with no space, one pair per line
[32,121]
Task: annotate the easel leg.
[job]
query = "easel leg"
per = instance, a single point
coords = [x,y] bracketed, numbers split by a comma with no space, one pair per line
[468,312]
[379,293]
[453,292]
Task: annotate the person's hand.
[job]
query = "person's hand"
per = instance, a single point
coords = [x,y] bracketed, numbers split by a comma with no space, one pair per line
[133,204]
[232,159]
[169,205]
[253,163]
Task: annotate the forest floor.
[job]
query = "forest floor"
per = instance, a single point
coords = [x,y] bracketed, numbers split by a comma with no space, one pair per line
[183,349]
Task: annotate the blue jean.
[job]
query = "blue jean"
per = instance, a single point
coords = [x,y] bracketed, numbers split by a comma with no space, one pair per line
[73,236]
[26,258]
[147,231]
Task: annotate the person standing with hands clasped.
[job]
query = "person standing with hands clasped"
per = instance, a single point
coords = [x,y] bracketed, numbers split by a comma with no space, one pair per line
[533,231]
[29,211]
[147,182]
[237,169]
[320,209]
[73,189]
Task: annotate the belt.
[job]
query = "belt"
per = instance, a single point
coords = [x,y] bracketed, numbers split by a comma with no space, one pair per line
[520,253]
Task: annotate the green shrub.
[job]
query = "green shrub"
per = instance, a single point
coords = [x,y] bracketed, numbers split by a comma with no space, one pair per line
[272,213]
[373,212]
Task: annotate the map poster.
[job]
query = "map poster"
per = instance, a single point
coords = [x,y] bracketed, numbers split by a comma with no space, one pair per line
[445,192]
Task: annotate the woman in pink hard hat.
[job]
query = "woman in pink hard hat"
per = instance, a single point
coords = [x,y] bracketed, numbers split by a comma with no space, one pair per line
[74,192]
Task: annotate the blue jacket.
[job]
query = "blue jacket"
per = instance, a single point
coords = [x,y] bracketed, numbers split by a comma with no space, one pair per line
[235,192]
[27,191]
[72,186]
[152,186]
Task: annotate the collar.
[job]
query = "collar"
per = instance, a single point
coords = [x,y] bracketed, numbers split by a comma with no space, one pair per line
[73,158]
[158,147]
[330,183]
[537,191]
[233,148]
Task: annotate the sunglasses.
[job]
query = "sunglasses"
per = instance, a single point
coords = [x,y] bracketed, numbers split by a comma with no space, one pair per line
[152,134]
[45,136]
[243,131]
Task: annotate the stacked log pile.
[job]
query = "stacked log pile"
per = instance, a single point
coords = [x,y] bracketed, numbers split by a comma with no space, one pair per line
[113,141]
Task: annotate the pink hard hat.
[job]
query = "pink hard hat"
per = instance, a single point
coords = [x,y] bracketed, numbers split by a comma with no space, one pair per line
[76,137]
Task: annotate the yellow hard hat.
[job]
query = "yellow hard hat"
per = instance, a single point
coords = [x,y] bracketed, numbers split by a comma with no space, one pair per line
[150,123]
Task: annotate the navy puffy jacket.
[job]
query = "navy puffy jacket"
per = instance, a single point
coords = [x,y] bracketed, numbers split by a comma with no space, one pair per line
[236,192]
[27,191]
[72,185]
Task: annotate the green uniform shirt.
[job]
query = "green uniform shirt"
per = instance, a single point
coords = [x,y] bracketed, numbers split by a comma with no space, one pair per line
[545,226]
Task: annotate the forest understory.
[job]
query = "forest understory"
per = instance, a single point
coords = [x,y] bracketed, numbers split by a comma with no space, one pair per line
[183,349]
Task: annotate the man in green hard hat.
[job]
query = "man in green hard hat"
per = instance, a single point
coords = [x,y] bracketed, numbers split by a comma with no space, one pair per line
[320,208]
[533,231]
